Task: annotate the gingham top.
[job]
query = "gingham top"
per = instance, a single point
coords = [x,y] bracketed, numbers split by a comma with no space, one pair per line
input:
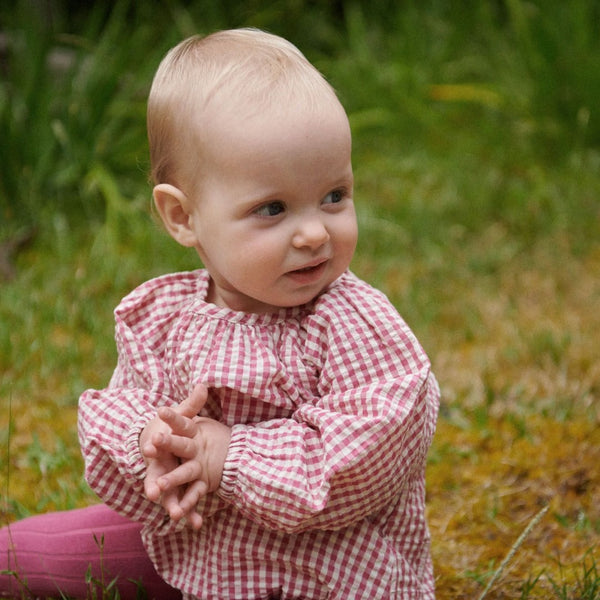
[332,407]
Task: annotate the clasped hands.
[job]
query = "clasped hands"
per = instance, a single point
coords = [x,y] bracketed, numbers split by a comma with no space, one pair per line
[184,455]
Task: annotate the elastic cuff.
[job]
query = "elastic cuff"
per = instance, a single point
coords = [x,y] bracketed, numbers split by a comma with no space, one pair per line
[135,460]
[237,447]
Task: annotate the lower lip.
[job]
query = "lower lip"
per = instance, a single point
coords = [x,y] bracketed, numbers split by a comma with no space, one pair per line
[308,276]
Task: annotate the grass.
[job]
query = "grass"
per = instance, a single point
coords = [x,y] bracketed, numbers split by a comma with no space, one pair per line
[477,160]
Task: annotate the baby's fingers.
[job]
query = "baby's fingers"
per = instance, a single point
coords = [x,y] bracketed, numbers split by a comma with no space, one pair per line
[170,502]
[152,490]
[193,493]
[176,445]
[195,520]
[184,474]
[195,402]
[179,424]
[154,471]
[189,501]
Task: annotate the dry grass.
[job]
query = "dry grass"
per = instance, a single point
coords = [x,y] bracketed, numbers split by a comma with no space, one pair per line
[476,145]
[514,346]
[519,429]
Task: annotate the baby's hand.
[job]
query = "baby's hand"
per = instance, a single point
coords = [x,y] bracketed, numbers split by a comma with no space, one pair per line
[160,461]
[202,446]
[184,452]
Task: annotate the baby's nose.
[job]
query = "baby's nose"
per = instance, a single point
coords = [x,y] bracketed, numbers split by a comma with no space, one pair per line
[311,233]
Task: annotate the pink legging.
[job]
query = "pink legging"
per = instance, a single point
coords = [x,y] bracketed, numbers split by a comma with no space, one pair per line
[53,552]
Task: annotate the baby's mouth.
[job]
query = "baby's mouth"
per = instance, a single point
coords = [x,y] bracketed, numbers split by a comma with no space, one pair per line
[309,271]
[309,268]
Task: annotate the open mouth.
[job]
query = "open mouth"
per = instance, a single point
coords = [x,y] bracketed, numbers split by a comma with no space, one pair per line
[308,269]
[306,273]
[311,268]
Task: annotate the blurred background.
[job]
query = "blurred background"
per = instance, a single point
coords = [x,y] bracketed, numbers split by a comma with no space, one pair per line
[476,131]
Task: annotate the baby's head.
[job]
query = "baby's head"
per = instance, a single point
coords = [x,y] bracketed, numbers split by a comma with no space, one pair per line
[251,159]
[238,72]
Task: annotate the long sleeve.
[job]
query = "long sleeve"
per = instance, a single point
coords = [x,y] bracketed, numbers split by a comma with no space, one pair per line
[110,420]
[332,407]
[355,448]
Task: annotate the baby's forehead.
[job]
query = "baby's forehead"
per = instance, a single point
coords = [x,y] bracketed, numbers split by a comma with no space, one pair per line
[271,105]
[251,101]
[235,100]
[260,89]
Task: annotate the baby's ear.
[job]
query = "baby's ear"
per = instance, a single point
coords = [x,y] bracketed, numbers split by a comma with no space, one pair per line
[173,207]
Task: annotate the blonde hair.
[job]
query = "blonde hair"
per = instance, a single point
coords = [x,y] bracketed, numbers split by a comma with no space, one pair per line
[248,69]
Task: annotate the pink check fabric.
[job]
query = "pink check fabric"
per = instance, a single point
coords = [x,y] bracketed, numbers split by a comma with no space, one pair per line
[332,407]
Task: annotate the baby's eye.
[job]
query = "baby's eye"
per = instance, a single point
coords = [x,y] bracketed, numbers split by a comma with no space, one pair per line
[272,209]
[334,197]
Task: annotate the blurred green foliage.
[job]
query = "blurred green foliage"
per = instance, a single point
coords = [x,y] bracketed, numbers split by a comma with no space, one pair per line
[476,129]
[418,78]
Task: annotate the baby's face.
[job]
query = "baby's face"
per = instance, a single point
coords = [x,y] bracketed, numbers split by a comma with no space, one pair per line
[273,217]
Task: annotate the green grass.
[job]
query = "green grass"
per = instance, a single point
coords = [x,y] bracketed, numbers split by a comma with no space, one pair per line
[477,162]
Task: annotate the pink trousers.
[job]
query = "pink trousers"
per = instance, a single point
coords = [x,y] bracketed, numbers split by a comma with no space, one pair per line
[56,553]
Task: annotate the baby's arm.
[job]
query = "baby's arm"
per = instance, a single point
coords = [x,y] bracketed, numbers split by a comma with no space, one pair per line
[359,446]
[185,455]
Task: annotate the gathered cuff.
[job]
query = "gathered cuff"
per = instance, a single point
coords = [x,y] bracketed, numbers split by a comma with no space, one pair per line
[237,447]
[135,460]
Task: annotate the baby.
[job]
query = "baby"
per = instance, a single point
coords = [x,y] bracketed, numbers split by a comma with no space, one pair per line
[268,420]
